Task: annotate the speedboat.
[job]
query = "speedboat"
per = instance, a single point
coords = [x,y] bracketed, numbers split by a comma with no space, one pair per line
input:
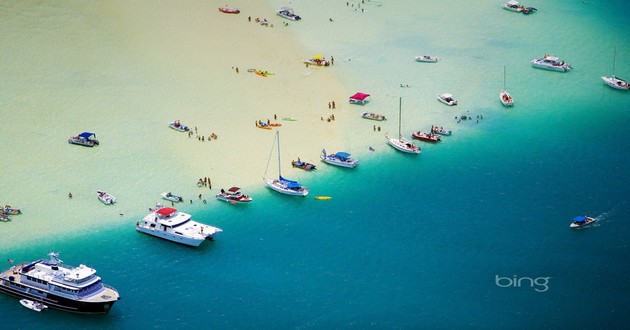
[317,60]
[59,286]
[303,165]
[86,139]
[551,62]
[172,198]
[582,221]
[229,10]
[373,116]
[512,5]
[528,10]
[287,13]
[34,305]
[340,158]
[441,130]
[169,224]
[506,98]
[105,197]
[10,210]
[426,58]
[176,125]
[447,99]
[428,137]
[233,195]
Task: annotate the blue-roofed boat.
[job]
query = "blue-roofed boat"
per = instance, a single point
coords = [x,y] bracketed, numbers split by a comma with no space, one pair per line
[87,139]
[340,158]
[582,221]
[282,185]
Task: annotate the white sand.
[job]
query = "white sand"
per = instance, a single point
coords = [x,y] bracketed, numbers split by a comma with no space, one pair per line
[123,70]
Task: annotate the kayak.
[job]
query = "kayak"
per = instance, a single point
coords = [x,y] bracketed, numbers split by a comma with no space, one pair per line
[323,198]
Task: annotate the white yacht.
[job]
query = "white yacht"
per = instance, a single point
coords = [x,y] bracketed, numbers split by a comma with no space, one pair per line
[168,223]
[51,283]
[339,159]
[551,62]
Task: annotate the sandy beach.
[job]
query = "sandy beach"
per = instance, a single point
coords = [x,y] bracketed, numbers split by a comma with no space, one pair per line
[123,70]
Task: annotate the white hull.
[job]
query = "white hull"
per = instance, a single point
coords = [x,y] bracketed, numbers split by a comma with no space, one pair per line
[176,227]
[403,145]
[172,198]
[447,99]
[542,63]
[616,83]
[105,197]
[171,237]
[426,58]
[228,200]
[351,164]
[36,306]
[275,185]
[506,99]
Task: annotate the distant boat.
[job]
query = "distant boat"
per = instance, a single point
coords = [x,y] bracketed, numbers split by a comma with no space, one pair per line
[229,10]
[447,99]
[105,197]
[441,130]
[551,62]
[340,158]
[34,305]
[176,125]
[282,185]
[172,198]
[86,139]
[169,224]
[317,60]
[233,195]
[582,221]
[288,13]
[401,143]
[373,116]
[426,58]
[614,81]
[428,137]
[303,165]
[504,96]
[512,5]
[10,210]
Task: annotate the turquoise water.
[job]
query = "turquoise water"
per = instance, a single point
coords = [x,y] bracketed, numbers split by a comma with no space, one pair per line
[407,241]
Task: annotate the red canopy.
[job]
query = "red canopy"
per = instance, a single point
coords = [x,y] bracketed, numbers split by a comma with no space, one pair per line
[166,211]
[359,96]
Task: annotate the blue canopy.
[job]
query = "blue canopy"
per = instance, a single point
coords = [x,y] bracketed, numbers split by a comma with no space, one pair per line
[290,183]
[342,155]
[579,218]
[86,135]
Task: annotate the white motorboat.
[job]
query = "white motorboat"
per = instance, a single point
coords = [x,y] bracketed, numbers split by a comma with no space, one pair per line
[60,286]
[105,197]
[614,81]
[447,99]
[34,305]
[426,58]
[373,116]
[233,195]
[340,158]
[169,224]
[551,62]
[582,221]
[513,5]
[400,143]
[282,185]
[173,198]
[317,60]
[288,13]
[176,125]
[440,130]
[86,139]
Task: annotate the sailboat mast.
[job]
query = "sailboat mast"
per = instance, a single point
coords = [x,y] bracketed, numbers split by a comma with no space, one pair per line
[278,137]
[504,77]
[614,58]
[399,115]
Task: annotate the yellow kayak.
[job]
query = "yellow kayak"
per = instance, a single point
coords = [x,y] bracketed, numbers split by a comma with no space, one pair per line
[323,198]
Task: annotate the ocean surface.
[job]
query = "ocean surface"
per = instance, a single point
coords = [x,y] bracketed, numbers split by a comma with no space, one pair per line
[472,233]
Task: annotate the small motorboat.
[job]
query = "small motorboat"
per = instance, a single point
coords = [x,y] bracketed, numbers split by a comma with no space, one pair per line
[172,198]
[10,210]
[303,165]
[340,158]
[4,217]
[447,99]
[441,130]
[373,116]
[582,221]
[288,13]
[317,60]
[34,305]
[428,137]
[176,125]
[426,58]
[513,5]
[528,10]
[233,195]
[229,10]
[86,139]
[105,197]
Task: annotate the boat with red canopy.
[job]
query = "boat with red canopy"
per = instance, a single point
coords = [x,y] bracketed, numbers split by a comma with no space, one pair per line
[359,98]
[168,223]
[229,10]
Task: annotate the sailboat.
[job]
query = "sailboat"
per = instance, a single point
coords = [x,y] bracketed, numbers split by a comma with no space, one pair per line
[504,96]
[282,185]
[613,81]
[401,143]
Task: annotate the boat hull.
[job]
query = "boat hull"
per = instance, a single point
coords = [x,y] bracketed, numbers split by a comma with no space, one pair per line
[424,137]
[271,184]
[616,83]
[506,99]
[352,164]
[403,145]
[171,237]
[231,200]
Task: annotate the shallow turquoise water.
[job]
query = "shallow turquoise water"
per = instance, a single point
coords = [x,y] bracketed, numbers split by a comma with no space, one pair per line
[414,242]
